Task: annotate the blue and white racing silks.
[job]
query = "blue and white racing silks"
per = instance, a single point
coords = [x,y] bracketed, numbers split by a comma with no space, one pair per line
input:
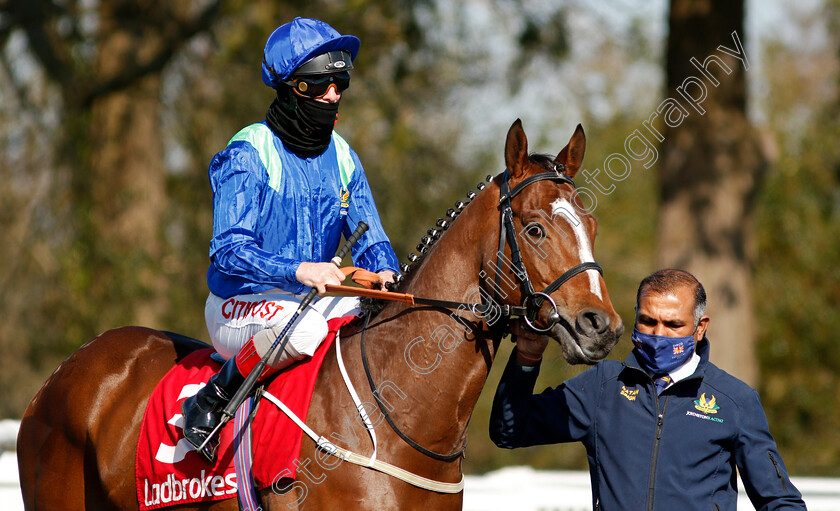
[273,210]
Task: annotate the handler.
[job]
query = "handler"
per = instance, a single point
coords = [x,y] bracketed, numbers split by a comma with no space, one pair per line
[665,429]
[284,191]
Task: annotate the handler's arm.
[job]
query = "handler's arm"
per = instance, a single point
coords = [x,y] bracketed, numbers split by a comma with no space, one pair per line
[520,418]
[761,467]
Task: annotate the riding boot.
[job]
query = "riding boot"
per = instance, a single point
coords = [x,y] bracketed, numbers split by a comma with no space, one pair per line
[203,411]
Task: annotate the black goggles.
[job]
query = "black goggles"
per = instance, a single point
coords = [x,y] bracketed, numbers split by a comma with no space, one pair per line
[317,85]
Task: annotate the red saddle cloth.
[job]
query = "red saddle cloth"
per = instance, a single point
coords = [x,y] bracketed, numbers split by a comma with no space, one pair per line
[170,472]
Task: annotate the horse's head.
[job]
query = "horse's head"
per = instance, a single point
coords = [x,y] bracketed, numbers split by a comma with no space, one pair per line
[555,236]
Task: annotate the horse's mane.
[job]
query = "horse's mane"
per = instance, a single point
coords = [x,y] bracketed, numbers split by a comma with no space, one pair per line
[374,305]
[546,160]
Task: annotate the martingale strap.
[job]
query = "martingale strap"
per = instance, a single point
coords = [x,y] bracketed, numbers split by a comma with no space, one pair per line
[384,409]
[330,448]
[325,445]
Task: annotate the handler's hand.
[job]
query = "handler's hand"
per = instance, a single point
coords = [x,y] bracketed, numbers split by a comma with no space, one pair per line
[529,345]
[318,275]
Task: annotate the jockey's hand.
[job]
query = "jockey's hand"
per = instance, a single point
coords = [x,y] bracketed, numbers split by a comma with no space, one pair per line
[529,345]
[385,276]
[318,275]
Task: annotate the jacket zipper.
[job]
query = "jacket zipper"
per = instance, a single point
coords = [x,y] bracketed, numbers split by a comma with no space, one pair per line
[717,508]
[778,470]
[659,420]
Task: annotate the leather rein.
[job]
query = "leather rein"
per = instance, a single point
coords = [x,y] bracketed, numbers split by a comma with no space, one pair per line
[529,308]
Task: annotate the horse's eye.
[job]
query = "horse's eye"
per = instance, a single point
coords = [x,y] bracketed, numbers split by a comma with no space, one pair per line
[536,230]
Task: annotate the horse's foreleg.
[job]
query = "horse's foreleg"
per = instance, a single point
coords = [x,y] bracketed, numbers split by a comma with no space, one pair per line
[284,495]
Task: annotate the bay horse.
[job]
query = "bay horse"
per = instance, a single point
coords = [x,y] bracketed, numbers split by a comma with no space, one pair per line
[78,437]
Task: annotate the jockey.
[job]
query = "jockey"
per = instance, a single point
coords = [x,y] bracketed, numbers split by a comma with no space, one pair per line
[284,192]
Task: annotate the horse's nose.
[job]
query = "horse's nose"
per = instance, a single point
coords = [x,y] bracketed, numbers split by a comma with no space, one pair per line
[593,322]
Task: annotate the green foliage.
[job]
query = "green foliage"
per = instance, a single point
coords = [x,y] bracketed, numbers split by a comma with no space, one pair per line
[797,289]
[797,279]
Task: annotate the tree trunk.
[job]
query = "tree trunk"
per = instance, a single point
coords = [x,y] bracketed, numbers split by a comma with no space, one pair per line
[127,182]
[712,165]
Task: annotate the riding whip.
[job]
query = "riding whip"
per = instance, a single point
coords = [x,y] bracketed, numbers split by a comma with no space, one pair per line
[282,339]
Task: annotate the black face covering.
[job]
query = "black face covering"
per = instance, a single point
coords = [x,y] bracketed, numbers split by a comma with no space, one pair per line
[303,124]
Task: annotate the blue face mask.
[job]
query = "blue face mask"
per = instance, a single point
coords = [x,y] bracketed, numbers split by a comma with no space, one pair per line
[661,354]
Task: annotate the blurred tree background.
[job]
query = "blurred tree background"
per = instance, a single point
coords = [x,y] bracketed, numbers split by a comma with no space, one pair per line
[110,111]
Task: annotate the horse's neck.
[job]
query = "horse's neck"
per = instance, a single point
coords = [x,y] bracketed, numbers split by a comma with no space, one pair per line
[451,269]
[439,358]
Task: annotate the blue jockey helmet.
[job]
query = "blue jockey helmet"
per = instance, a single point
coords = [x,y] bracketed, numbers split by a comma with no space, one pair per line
[306,46]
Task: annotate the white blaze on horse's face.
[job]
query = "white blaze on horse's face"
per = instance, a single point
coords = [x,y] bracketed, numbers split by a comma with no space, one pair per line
[563,208]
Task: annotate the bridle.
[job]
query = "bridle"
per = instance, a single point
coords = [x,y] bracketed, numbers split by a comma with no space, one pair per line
[532,300]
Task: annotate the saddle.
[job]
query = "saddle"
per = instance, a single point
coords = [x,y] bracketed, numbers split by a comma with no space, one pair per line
[170,472]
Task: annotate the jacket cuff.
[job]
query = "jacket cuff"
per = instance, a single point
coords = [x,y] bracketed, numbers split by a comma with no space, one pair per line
[378,257]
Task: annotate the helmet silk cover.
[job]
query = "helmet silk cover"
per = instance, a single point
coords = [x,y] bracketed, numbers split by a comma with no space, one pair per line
[296,42]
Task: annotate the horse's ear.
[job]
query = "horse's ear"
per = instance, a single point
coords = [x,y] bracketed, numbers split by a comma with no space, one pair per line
[516,149]
[572,155]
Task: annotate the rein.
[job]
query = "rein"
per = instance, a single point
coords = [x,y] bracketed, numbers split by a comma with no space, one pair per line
[477,309]
[531,303]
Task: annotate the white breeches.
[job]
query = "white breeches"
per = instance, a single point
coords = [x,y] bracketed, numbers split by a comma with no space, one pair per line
[232,322]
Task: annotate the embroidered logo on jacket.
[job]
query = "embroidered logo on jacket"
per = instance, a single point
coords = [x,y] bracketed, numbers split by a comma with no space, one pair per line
[629,394]
[704,406]
[345,200]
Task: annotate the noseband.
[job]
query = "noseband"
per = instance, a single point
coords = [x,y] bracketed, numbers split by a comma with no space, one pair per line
[532,300]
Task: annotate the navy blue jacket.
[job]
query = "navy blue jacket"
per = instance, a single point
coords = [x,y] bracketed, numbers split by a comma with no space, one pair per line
[677,451]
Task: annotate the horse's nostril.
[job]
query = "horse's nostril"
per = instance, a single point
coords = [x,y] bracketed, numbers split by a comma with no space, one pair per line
[592,321]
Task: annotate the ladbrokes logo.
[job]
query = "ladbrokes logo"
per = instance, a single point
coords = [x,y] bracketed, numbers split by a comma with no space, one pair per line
[176,490]
[175,478]
[704,406]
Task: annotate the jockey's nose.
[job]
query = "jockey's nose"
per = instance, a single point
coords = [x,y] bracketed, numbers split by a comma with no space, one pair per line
[331,96]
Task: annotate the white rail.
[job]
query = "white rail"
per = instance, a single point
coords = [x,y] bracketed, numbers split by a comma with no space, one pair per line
[525,489]
[520,488]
